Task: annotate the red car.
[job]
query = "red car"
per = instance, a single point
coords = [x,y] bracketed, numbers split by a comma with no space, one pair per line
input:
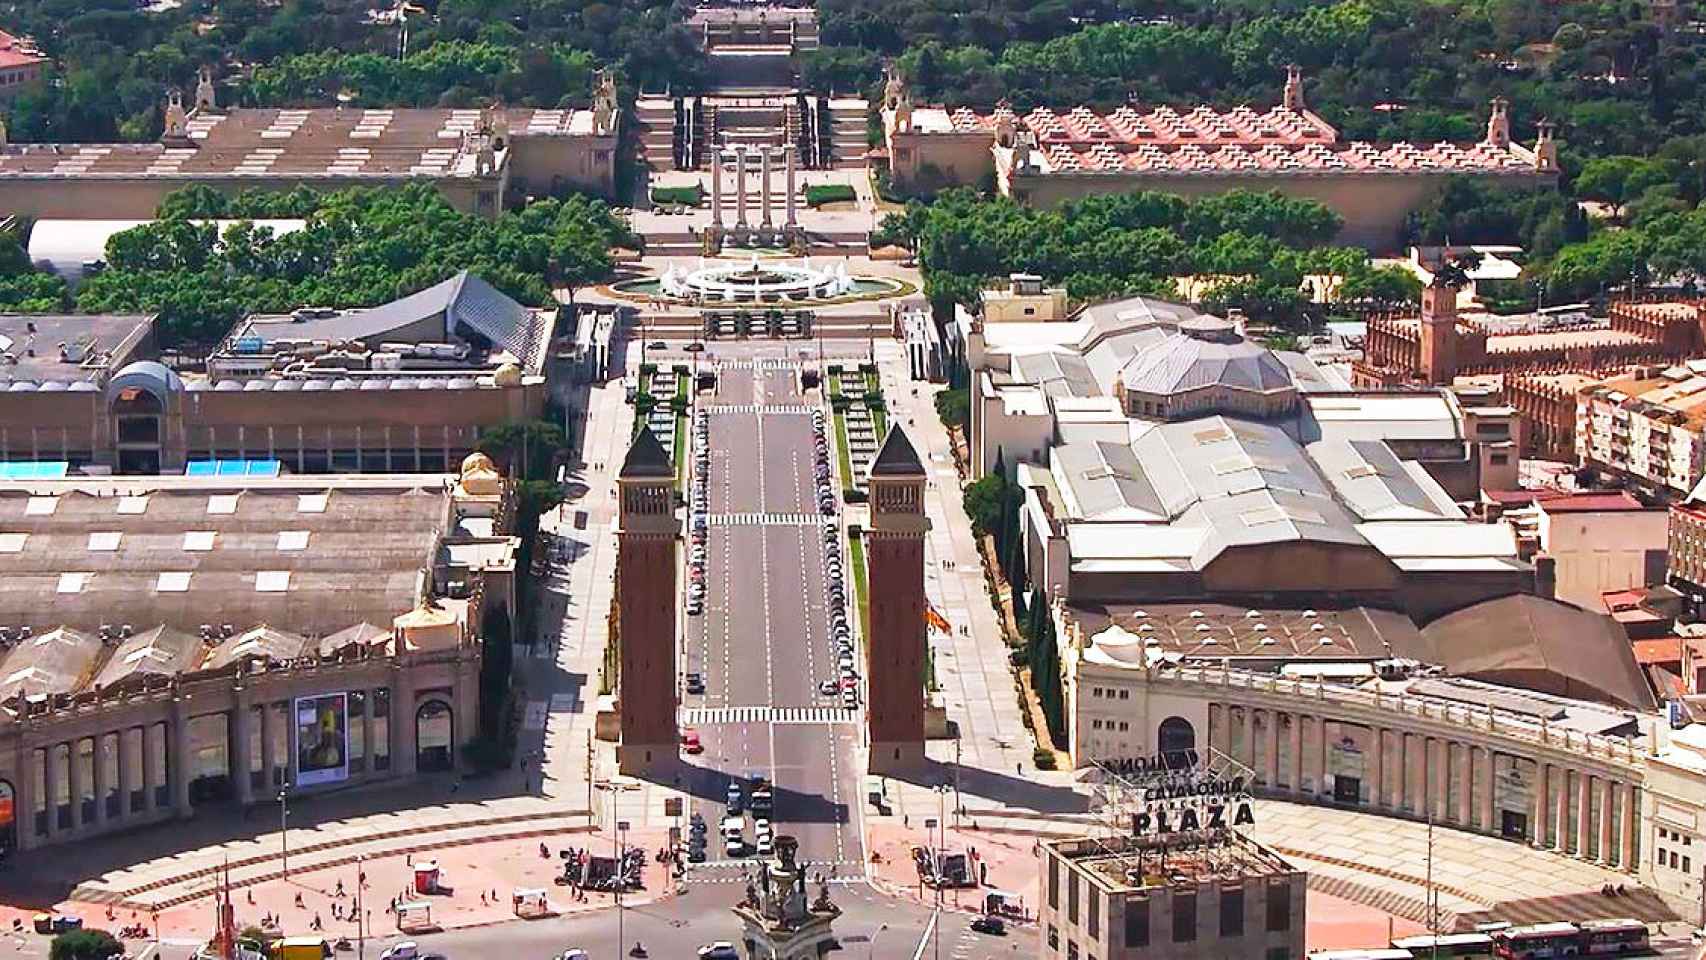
[690,742]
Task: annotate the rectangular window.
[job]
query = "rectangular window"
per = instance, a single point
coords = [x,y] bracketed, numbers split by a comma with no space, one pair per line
[1279,953]
[1093,904]
[1137,923]
[357,740]
[1071,951]
[1054,882]
[1072,899]
[1685,867]
[1184,918]
[1232,913]
[1053,937]
[1279,907]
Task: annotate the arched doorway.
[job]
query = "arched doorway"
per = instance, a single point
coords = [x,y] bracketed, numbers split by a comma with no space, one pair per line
[1176,741]
[8,820]
[434,737]
[140,403]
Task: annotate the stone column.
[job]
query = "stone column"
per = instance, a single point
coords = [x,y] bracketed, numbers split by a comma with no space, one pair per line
[178,758]
[1270,760]
[98,776]
[764,187]
[1376,767]
[50,786]
[1466,783]
[1607,826]
[793,221]
[1247,738]
[1322,750]
[716,187]
[24,814]
[740,187]
[402,725]
[1295,773]
[241,726]
[1542,811]
[367,752]
[1487,784]
[1401,789]
[74,776]
[1441,755]
[1584,814]
[124,773]
[269,759]
[148,734]
[1626,843]
[1562,777]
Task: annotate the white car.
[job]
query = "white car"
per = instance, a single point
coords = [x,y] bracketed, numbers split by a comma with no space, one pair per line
[721,950]
[407,950]
[574,954]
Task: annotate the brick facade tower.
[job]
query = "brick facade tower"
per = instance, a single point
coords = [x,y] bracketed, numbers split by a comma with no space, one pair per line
[645,607]
[1439,332]
[894,558]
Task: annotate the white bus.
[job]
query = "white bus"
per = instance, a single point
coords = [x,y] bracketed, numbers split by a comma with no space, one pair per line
[1373,953]
[1426,946]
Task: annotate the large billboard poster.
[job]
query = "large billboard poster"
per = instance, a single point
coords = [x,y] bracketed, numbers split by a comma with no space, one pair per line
[322,739]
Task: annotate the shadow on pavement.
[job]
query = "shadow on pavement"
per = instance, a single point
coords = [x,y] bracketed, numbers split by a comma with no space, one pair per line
[1007,789]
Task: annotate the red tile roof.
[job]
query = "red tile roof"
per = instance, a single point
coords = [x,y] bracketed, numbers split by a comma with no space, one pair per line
[1661,651]
[1616,500]
[18,53]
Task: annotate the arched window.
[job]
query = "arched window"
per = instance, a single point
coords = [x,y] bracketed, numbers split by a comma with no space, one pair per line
[434,737]
[1177,741]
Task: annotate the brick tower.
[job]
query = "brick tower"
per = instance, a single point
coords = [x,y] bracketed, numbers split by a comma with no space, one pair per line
[645,607]
[894,558]
[1439,332]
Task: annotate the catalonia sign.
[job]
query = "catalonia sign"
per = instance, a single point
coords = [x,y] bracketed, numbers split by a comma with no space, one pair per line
[1179,795]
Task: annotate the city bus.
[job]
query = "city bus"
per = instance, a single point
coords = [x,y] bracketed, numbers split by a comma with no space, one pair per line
[1374,953]
[1623,935]
[1465,945]
[1540,941]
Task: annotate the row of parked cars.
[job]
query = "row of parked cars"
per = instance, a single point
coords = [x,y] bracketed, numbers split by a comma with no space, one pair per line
[699,503]
[845,684]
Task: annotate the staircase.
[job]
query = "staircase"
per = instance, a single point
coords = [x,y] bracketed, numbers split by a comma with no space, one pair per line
[846,120]
[655,121]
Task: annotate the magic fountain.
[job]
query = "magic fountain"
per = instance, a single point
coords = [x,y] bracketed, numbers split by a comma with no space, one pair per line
[756,282]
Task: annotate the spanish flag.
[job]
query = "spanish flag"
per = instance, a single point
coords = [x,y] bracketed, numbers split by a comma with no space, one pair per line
[935,619]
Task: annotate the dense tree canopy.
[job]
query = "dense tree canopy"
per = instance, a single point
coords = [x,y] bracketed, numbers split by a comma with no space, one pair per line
[359,248]
[1248,250]
[115,60]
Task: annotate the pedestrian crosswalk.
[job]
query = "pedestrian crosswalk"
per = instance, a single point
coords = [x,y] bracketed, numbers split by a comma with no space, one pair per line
[758,363]
[765,408]
[764,519]
[707,716]
[738,871]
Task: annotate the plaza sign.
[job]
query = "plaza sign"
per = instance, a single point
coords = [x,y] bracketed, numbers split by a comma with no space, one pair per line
[1175,794]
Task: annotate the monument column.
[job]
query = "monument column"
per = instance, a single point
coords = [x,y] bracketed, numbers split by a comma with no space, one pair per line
[764,187]
[793,220]
[645,607]
[716,188]
[896,646]
[740,187]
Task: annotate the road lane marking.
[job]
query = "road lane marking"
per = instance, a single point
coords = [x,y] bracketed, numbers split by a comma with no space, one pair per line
[712,716]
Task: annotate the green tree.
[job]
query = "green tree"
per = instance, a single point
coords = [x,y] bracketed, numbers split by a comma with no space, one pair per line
[85,945]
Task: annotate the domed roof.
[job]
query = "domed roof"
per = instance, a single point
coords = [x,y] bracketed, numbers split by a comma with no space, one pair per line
[478,461]
[150,375]
[1188,362]
[508,375]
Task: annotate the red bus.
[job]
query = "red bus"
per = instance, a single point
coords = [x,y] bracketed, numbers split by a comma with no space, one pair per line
[1624,935]
[1540,941]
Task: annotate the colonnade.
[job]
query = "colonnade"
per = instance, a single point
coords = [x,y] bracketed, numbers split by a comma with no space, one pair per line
[1564,800]
[84,777]
[765,155]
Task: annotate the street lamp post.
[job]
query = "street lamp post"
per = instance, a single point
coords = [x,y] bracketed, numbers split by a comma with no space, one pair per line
[621,878]
[284,827]
[360,880]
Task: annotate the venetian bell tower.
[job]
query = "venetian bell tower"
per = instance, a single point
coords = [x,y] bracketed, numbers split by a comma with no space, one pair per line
[645,607]
[894,552]
[1439,331]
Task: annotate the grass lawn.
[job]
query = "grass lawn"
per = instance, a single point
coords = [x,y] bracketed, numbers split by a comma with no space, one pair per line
[681,442]
[856,558]
[842,457]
